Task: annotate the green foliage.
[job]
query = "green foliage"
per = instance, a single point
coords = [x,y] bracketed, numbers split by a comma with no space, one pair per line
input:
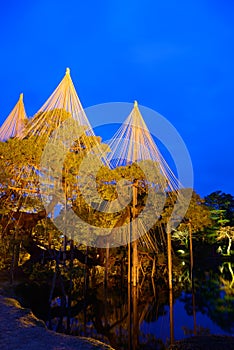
[223,203]
[20,161]
[197,215]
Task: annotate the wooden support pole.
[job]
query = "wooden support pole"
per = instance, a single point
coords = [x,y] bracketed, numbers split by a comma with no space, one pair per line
[191,250]
[129,315]
[169,259]
[135,330]
[191,277]
[194,312]
[129,260]
[86,284]
[171,316]
[107,263]
[134,264]
[135,279]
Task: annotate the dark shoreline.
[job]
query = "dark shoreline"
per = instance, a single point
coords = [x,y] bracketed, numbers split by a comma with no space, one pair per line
[21,330]
[204,342]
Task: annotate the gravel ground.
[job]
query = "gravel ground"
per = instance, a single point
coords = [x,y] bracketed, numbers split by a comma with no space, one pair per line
[21,330]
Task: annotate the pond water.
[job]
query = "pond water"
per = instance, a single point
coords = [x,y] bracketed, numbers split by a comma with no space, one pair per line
[139,318]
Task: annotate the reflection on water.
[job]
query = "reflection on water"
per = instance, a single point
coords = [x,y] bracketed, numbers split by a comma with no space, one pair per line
[135,318]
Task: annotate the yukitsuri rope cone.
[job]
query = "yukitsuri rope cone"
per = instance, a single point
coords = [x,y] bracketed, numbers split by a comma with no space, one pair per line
[15,122]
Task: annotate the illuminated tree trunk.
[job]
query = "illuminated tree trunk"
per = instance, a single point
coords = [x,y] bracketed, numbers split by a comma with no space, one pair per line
[229,246]
[232,274]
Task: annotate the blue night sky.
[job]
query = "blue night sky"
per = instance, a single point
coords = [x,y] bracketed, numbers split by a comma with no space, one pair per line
[176,57]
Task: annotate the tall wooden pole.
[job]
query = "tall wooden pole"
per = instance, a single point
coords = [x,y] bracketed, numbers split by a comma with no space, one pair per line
[129,315]
[171,316]
[135,330]
[169,258]
[107,263]
[169,261]
[130,250]
[134,243]
[191,250]
[194,311]
[129,260]
[86,282]
[191,277]
[136,132]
